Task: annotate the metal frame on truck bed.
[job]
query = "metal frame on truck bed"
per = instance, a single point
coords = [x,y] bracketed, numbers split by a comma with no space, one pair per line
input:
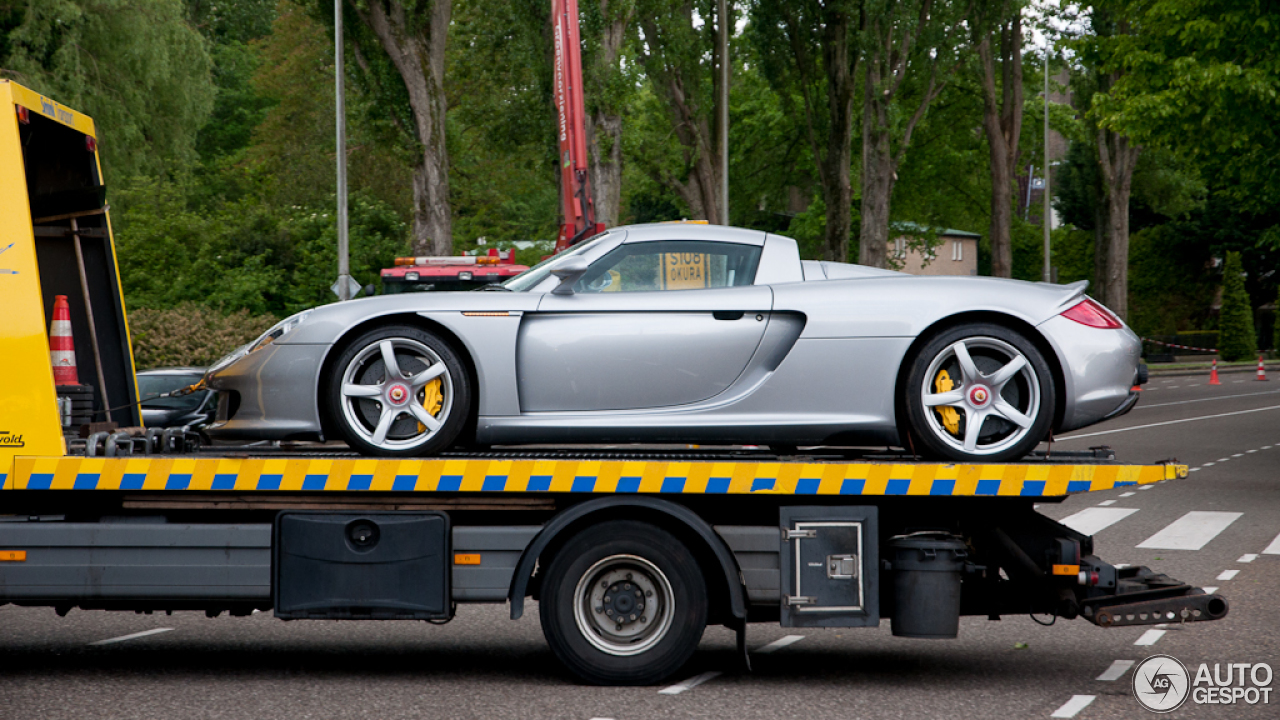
[629,552]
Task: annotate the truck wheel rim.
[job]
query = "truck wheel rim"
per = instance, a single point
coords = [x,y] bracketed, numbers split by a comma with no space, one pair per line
[997,396]
[623,605]
[382,392]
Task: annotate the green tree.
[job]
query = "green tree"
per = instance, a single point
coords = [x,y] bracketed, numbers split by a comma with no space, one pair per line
[1236,340]
[137,67]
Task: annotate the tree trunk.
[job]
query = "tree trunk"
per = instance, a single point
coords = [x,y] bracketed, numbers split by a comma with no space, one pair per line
[1116,159]
[604,123]
[837,181]
[888,58]
[418,56]
[1002,122]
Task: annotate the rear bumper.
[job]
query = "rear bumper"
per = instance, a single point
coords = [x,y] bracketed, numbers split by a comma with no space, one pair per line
[1099,367]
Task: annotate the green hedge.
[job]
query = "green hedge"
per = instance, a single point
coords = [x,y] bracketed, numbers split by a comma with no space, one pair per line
[190,334]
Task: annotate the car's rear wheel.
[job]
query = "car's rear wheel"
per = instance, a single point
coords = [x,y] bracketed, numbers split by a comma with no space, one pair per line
[979,393]
[623,603]
[399,391]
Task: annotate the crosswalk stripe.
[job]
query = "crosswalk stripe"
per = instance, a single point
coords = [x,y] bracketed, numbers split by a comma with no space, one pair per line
[1091,521]
[1073,706]
[689,684]
[1116,671]
[1191,531]
[1273,548]
[1149,637]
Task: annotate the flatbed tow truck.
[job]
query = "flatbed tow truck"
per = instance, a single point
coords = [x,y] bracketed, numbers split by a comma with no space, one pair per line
[630,552]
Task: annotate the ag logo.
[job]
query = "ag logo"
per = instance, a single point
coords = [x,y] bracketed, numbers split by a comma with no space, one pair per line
[1161,683]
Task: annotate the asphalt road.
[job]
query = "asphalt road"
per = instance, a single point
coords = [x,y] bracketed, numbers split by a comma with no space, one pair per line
[483,665]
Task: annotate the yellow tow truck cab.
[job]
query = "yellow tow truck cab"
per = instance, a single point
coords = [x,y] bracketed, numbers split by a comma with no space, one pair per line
[55,239]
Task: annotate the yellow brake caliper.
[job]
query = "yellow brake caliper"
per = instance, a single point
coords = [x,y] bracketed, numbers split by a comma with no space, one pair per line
[950,417]
[432,400]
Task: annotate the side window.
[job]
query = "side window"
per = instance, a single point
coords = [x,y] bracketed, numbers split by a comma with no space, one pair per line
[671,265]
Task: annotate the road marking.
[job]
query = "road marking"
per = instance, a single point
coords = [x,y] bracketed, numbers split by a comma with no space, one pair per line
[1238,455]
[1223,459]
[1149,637]
[1147,487]
[1191,531]
[689,684]
[1194,469]
[1091,521]
[1116,671]
[1251,451]
[1273,548]
[122,638]
[780,643]
[1128,494]
[1210,589]
[1073,706]
[1208,464]
[1104,503]
[1171,387]
[1200,400]
[1169,422]
[1247,558]
[1227,575]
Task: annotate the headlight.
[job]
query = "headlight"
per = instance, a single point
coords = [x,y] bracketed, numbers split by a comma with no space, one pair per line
[279,330]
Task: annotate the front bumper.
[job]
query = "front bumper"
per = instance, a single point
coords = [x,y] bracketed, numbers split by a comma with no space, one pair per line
[271,394]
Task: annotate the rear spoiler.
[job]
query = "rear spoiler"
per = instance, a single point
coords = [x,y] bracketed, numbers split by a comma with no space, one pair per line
[1072,293]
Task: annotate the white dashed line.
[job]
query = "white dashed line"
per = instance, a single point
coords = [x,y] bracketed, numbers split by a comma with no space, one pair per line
[1227,575]
[779,644]
[1191,531]
[1210,589]
[1208,464]
[1091,521]
[1107,502]
[1146,487]
[1073,706]
[1194,469]
[122,638]
[1247,558]
[1116,671]
[1222,460]
[1238,455]
[1173,387]
[1149,637]
[1250,452]
[1273,548]
[1168,422]
[689,684]
[1128,494]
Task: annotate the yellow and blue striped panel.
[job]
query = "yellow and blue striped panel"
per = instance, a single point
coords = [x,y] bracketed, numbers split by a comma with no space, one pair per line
[585,476]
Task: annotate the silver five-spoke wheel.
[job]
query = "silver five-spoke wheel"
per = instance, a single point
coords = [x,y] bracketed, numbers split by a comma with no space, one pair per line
[980,393]
[399,391]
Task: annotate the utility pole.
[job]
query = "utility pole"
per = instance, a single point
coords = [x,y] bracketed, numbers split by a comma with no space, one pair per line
[1048,270]
[344,263]
[725,28]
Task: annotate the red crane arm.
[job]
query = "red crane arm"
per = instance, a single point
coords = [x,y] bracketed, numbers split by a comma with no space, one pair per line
[577,205]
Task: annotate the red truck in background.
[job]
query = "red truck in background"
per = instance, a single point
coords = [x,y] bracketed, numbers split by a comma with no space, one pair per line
[461,272]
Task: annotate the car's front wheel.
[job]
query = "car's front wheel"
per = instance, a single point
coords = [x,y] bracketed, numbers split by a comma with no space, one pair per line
[399,391]
[979,393]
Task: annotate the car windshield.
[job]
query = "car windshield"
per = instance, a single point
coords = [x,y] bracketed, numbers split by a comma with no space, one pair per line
[150,387]
[531,278]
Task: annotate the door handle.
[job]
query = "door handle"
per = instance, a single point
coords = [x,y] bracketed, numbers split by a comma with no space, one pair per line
[728,314]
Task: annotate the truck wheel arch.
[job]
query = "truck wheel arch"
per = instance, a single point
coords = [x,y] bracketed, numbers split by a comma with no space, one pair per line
[677,517]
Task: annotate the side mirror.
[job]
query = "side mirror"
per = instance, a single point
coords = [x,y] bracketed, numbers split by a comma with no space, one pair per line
[568,270]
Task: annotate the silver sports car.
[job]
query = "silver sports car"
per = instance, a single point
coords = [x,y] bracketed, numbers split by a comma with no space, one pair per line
[695,334]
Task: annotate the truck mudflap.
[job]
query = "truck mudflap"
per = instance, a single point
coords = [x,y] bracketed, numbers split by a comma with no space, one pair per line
[1145,597]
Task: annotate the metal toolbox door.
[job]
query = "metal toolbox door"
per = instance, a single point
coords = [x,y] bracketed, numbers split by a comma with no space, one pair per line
[829,567]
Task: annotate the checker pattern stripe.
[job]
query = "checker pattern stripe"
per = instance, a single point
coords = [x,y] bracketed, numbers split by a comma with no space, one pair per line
[593,476]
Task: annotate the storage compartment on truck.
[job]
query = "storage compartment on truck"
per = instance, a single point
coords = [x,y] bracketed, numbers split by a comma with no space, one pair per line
[829,573]
[379,565]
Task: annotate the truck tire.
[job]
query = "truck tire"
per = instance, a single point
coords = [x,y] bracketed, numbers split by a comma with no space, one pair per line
[623,603]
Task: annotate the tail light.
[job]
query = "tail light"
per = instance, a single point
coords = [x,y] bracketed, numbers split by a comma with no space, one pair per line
[1093,314]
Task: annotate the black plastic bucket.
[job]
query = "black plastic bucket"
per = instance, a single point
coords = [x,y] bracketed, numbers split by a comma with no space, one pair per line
[926,584]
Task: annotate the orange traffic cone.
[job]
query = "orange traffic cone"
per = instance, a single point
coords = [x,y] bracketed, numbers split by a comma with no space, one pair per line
[1262,370]
[1213,374]
[62,350]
